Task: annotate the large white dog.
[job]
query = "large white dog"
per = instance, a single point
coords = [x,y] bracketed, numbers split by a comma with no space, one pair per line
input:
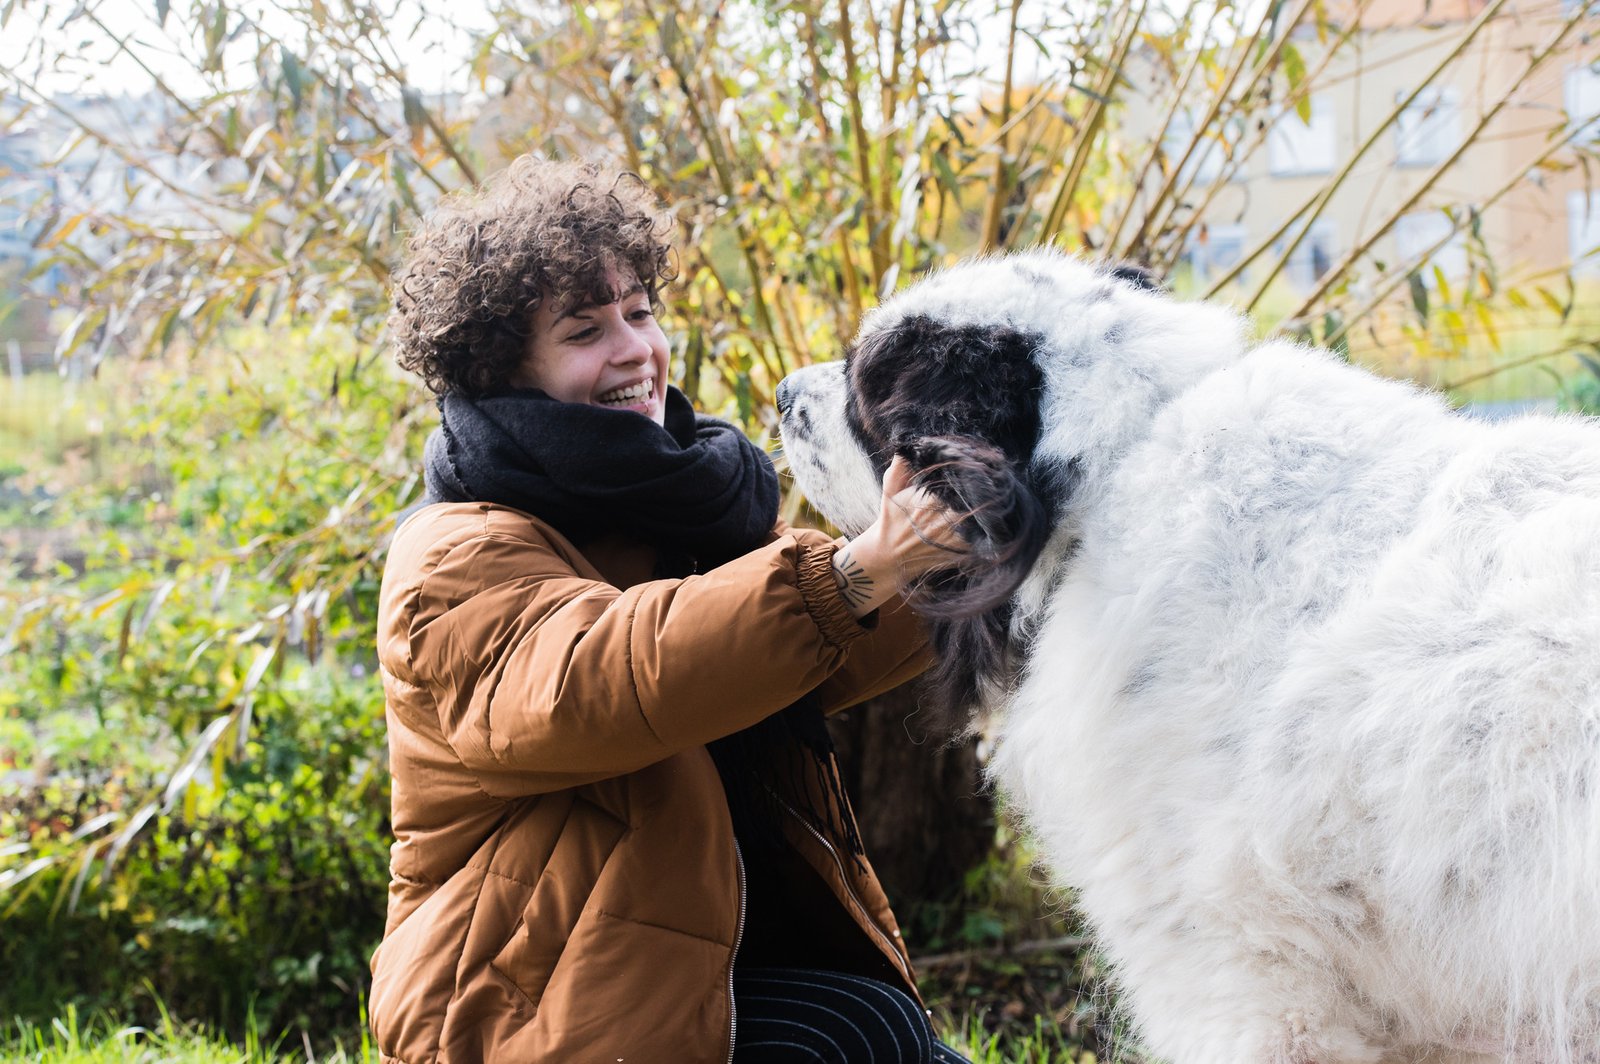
[1294,673]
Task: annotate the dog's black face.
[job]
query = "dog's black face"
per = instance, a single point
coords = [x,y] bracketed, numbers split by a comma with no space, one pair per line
[961,404]
[923,380]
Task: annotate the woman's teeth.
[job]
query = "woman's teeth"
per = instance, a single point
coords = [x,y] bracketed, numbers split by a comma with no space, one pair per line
[631,394]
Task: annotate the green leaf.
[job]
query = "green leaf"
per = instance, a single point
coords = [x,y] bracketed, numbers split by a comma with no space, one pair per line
[416,114]
[1331,321]
[293,76]
[1419,293]
[216,33]
[402,185]
[1294,71]
[947,176]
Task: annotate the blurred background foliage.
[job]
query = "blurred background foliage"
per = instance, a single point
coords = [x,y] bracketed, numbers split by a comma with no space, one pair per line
[195,494]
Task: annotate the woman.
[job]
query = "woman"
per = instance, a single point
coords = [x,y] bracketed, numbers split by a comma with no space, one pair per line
[619,829]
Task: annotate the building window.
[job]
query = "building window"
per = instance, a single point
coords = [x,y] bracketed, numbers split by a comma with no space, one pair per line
[1313,257]
[1206,161]
[1583,232]
[1583,101]
[1296,147]
[1428,130]
[1428,233]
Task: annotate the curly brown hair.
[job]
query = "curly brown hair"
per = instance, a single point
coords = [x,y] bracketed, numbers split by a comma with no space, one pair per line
[482,262]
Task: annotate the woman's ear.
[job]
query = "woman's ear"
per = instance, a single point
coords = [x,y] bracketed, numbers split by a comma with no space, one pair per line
[1002,519]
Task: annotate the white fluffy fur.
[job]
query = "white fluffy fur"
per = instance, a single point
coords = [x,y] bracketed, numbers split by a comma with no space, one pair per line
[1311,718]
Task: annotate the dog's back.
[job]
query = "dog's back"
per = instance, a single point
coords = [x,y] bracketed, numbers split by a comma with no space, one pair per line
[1313,722]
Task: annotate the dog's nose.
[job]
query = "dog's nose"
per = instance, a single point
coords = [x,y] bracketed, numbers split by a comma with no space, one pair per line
[784,396]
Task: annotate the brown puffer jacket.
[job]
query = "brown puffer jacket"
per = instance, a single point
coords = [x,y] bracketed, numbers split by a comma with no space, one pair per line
[565,884]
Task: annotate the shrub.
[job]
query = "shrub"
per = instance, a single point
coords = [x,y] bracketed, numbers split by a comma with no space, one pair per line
[190,713]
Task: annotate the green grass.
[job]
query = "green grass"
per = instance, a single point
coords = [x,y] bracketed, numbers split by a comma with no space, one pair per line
[70,1039]
[1045,1044]
[43,416]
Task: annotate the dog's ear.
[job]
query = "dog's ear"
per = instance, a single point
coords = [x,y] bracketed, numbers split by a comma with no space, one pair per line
[1003,521]
[1005,524]
[1141,277]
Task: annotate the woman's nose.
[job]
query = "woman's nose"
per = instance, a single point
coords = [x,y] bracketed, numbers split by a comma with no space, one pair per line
[631,345]
[634,348]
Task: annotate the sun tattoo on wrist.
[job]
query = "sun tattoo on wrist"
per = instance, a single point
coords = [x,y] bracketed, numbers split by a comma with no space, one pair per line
[854,584]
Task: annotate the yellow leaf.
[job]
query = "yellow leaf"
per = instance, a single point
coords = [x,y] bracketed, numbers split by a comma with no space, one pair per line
[1486,319]
[65,231]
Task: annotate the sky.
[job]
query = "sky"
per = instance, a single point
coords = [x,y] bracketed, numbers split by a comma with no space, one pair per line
[95,66]
[433,59]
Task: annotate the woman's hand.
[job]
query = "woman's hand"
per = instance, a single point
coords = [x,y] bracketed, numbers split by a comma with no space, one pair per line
[915,533]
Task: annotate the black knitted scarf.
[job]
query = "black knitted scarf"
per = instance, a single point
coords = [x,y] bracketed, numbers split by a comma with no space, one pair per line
[696,489]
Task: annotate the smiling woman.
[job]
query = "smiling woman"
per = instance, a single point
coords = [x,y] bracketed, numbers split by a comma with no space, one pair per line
[555,238]
[609,354]
[620,829]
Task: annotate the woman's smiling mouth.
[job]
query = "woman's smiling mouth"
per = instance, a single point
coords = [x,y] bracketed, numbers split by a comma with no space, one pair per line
[638,393]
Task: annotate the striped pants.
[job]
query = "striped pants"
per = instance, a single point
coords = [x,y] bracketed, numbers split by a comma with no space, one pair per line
[804,1016]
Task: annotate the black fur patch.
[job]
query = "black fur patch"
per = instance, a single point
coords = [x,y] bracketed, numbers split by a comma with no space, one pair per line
[876,448]
[961,404]
[1139,276]
[924,378]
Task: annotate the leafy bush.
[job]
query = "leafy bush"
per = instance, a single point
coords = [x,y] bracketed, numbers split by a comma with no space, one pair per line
[1582,393]
[272,898]
[217,616]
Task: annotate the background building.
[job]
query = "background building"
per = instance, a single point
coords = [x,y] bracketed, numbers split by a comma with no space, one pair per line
[1541,224]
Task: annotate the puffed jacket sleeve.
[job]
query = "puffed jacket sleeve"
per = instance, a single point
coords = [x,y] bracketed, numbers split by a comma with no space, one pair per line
[545,678]
[893,651]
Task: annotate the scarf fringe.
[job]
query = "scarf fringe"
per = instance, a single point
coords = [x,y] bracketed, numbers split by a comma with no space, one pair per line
[764,769]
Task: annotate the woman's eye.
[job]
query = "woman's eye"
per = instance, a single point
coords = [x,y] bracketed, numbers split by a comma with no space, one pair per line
[642,314]
[583,334]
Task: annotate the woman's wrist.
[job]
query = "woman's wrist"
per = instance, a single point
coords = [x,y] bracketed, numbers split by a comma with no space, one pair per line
[865,573]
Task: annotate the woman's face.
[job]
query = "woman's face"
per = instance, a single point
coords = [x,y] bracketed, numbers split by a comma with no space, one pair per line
[609,354]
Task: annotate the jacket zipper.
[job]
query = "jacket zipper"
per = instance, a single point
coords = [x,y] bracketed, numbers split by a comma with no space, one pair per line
[844,877]
[738,936]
